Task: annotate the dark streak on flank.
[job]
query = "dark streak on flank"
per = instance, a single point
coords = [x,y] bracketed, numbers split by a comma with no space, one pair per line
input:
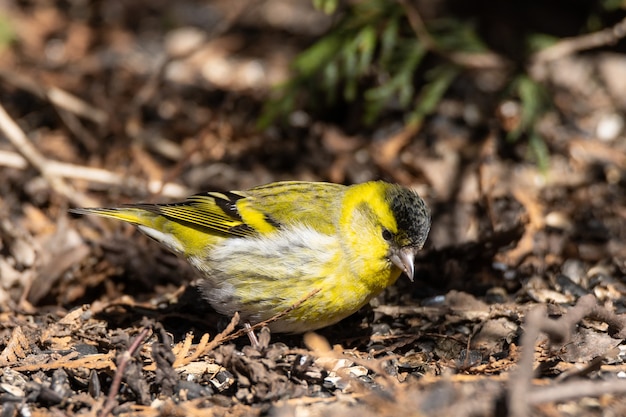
[271,221]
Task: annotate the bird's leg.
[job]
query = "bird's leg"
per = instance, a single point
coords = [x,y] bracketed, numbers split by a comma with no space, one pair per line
[253,339]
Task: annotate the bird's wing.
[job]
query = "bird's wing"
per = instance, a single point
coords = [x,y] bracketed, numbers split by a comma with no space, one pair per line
[214,211]
[259,210]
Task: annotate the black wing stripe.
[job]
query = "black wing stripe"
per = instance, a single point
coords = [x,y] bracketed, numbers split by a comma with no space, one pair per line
[223,218]
[228,203]
[241,230]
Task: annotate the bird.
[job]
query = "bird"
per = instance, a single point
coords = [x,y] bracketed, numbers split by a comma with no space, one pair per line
[314,251]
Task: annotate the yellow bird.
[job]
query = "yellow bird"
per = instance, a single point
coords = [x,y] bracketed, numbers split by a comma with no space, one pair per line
[263,250]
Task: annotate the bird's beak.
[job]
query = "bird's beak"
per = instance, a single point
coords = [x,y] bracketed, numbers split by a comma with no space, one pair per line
[403,259]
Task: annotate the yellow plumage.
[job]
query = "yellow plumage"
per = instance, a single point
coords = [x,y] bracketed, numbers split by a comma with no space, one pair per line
[263,250]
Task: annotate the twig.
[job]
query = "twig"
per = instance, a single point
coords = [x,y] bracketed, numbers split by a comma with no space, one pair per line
[227,334]
[123,360]
[68,106]
[181,357]
[484,60]
[569,46]
[12,160]
[56,96]
[222,337]
[558,331]
[576,389]
[18,138]
[73,123]
[520,380]
[617,324]
[97,175]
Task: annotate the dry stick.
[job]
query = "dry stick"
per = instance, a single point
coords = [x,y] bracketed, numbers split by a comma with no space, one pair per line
[576,389]
[56,96]
[539,62]
[12,160]
[223,336]
[119,374]
[520,380]
[226,335]
[617,324]
[74,125]
[568,46]
[558,331]
[96,175]
[18,138]
[67,106]
[484,60]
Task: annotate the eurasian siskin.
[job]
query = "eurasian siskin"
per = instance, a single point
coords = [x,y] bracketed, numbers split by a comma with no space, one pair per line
[261,251]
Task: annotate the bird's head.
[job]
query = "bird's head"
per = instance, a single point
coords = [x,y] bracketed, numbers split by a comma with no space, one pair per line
[385,221]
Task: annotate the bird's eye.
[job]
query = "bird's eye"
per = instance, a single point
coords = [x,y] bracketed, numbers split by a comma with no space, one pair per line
[387,235]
